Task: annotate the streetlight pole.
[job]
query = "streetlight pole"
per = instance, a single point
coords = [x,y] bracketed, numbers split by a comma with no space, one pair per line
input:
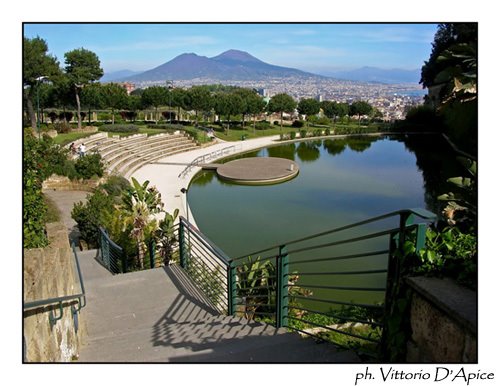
[39,80]
[170,86]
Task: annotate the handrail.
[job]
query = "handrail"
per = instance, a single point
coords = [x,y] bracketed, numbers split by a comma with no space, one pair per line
[203,158]
[422,213]
[81,297]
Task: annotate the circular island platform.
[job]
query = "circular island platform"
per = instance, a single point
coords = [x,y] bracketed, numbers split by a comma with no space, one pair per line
[258,170]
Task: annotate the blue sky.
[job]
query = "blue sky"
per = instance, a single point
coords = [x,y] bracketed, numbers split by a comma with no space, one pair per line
[315,47]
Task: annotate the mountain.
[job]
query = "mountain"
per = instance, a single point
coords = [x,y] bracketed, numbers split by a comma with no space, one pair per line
[230,65]
[116,75]
[374,74]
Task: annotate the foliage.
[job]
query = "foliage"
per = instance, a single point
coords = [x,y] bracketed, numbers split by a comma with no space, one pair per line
[207,278]
[34,207]
[308,106]
[82,67]
[37,63]
[120,128]
[281,103]
[462,203]
[166,237]
[92,214]
[298,124]
[115,185]
[450,253]
[89,166]
[114,97]
[139,203]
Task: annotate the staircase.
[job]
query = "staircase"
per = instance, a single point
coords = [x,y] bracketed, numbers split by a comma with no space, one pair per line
[158,315]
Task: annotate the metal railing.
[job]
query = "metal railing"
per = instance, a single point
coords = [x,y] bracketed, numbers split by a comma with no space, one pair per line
[335,285]
[80,299]
[205,158]
[111,255]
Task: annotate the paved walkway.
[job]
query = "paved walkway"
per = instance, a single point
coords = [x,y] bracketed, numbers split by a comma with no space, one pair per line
[65,200]
[164,173]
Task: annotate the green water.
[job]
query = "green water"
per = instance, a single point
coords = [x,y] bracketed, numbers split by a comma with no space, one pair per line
[340,182]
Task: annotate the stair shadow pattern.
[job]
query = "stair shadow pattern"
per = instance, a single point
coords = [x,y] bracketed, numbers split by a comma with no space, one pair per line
[192,325]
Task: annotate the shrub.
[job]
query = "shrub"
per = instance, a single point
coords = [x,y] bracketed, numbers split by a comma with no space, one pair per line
[303,133]
[89,166]
[327,131]
[293,134]
[298,124]
[92,214]
[62,127]
[34,207]
[115,185]
[120,128]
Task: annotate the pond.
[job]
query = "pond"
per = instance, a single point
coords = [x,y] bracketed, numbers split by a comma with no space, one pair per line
[341,181]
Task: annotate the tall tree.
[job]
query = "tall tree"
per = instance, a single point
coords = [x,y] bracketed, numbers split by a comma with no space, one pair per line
[82,67]
[308,107]
[281,103]
[180,99]
[114,97]
[228,104]
[155,96]
[92,98]
[37,64]
[253,104]
[200,99]
[360,108]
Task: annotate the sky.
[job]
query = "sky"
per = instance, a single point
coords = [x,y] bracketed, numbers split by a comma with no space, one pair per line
[315,47]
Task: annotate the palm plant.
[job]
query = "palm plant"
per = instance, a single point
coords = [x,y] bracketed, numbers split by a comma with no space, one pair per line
[140,204]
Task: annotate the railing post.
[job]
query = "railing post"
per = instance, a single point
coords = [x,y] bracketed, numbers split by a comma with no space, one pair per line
[231,289]
[282,287]
[182,246]
[152,248]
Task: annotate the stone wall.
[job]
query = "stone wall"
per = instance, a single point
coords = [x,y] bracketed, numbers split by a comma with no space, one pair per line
[51,272]
[443,322]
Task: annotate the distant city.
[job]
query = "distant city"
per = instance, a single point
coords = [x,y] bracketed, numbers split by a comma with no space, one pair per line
[238,68]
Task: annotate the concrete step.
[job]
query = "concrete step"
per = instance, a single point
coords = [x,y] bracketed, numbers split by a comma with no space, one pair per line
[160,316]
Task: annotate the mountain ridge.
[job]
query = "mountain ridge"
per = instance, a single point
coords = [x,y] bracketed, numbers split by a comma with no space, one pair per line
[229,65]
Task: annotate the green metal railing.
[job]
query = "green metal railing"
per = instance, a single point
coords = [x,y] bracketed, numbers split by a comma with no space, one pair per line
[61,300]
[111,255]
[335,285]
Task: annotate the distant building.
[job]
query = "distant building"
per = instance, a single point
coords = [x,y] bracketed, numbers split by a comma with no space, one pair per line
[129,87]
[319,98]
[263,92]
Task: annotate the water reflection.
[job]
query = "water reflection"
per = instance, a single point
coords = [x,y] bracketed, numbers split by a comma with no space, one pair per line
[308,151]
[283,151]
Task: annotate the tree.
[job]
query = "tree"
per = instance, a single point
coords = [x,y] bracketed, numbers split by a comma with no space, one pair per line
[281,103]
[253,104]
[308,107]
[228,104]
[114,97]
[92,97]
[82,67]
[155,96]
[360,108]
[37,63]
[140,204]
[180,99]
[200,99]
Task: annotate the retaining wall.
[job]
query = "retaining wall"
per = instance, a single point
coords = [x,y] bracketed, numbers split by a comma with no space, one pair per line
[443,321]
[48,273]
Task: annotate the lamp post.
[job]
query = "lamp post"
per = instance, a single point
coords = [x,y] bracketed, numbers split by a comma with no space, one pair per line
[170,86]
[39,80]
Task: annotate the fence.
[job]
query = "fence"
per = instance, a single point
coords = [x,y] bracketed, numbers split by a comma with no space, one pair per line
[336,285]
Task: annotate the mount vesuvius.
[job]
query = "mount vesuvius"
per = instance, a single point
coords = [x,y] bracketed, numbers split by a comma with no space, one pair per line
[230,65]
